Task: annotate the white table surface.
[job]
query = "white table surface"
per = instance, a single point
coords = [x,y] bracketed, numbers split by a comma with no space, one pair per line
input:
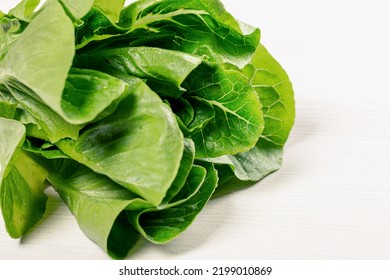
[331,199]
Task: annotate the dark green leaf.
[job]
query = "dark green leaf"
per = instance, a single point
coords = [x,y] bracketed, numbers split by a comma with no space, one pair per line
[201,28]
[185,168]
[238,120]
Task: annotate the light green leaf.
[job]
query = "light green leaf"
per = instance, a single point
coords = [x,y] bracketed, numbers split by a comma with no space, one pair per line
[24,10]
[12,137]
[22,199]
[214,7]
[191,185]
[110,8]
[76,9]
[41,57]
[139,146]
[274,88]
[9,32]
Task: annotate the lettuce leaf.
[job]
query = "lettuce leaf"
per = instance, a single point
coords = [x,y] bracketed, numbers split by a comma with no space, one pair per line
[139,146]
[22,182]
[275,91]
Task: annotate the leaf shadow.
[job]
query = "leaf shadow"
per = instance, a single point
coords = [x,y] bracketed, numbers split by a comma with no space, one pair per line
[53,205]
[191,239]
[305,125]
[231,186]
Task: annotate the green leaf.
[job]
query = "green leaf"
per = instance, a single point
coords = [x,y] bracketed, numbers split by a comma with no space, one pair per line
[110,8]
[225,173]
[200,28]
[96,27]
[139,146]
[276,94]
[24,10]
[76,9]
[162,225]
[7,106]
[7,110]
[37,113]
[183,110]
[97,203]
[164,70]
[191,185]
[255,164]
[193,113]
[274,88]
[22,199]
[9,32]
[215,8]
[12,137]
[39,53]
[238,120]
[44,149]
[122,238]
[197,27]
[87,93]
[39,58]
[203,113]
[182,174]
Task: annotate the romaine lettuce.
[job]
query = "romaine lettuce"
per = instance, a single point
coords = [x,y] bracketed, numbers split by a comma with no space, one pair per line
[134,115]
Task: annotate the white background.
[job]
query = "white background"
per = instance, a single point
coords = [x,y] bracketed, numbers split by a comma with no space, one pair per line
[331,199]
